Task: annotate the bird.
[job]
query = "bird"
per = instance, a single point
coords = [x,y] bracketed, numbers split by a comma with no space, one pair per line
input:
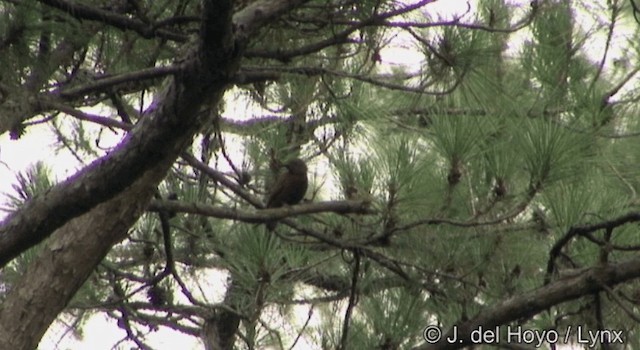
[289,188]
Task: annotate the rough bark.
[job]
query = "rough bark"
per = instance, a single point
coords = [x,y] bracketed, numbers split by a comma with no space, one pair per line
[219,331]
[64,263]
[162,134]
[165,130]
[93,209]
[536,301]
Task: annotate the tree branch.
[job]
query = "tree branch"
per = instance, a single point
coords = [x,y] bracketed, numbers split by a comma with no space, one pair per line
[264,215]
[86,12]
[338,38]
[113,191]
[531,303]
[102,83]
[58,270]
[159,137]
[584,230]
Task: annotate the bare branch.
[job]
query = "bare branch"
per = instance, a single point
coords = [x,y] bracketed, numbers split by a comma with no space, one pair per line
[377,81]
[338,38]
[102,83]
[264,215]
[86,12]
[583,230]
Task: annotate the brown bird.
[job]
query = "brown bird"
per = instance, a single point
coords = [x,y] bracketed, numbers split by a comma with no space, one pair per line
[289,188]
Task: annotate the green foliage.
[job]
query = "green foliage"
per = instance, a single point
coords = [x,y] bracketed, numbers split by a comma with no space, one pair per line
[34,181]
[474,163]
[390,318]
[456,139]
[551,152]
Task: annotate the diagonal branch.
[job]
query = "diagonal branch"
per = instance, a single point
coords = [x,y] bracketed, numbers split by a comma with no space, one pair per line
[160,136]
[538,300]
[338,38]
[102,83]
[113,191]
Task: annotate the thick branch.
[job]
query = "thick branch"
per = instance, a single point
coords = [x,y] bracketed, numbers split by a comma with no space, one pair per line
[162,134]
[58,270]
[538,300]
[112,192]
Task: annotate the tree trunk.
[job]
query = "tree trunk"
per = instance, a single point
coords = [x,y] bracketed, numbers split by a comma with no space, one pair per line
[65,262]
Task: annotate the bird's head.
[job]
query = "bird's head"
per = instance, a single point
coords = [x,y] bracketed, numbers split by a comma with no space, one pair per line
[296,166]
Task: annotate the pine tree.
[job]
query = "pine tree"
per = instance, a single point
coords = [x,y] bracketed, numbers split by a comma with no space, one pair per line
[467,170]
